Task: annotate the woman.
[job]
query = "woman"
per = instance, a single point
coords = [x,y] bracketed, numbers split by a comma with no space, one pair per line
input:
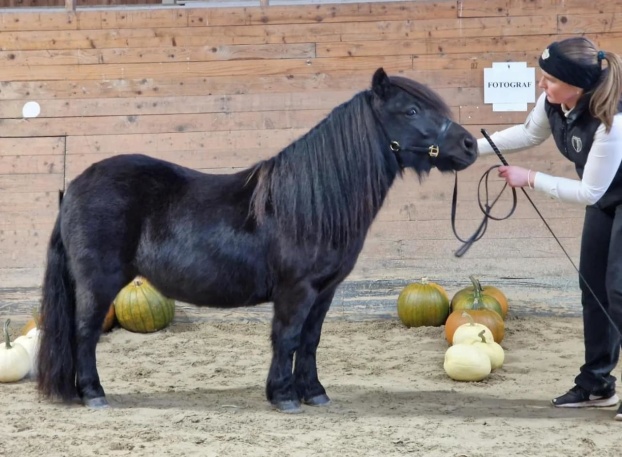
[579,106]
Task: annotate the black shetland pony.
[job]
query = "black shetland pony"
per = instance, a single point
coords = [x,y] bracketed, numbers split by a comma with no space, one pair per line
[288,230]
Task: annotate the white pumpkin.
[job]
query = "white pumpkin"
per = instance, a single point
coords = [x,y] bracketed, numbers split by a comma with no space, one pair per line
[30,342]
[469,333]
[14,359]
[465,362]
[492,349]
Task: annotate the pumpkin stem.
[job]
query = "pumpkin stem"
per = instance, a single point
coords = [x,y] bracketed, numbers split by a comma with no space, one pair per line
[481,335]
[477,293]
[476,284]
[469,317]
[7,339]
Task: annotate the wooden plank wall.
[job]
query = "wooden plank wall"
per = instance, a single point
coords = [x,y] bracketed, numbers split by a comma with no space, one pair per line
[219,88]
[79,3]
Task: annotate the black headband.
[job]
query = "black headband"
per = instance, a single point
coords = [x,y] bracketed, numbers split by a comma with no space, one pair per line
[574,73]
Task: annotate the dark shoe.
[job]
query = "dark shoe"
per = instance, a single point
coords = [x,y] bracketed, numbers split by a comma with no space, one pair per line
[578,397]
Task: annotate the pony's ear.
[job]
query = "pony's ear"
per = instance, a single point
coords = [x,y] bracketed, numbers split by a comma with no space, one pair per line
[380,83]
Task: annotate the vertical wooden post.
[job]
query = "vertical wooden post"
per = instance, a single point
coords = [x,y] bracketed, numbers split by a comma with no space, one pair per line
[264,3]
[70,5]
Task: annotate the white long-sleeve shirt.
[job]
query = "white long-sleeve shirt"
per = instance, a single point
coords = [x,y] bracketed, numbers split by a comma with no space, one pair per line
[602,164]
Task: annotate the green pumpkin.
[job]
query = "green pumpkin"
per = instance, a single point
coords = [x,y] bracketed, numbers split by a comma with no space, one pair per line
[423,304]
[484,290]
[475,298]
[141,308]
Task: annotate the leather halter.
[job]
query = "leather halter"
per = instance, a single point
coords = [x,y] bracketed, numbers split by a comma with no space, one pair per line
[433,150]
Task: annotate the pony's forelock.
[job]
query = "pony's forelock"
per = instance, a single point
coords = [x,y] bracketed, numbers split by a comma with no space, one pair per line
[422,93]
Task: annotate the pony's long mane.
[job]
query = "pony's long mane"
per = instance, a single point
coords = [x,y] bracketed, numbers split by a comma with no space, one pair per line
[328,185]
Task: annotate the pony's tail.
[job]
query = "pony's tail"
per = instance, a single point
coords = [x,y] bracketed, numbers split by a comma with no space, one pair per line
[56,362]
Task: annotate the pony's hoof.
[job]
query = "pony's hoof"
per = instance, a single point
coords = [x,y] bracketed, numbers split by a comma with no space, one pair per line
[288,407]
[318,400]
[97,403]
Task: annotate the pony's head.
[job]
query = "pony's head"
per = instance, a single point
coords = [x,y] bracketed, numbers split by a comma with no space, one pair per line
[417,127]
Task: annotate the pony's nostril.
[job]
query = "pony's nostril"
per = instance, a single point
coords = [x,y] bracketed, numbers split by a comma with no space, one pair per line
[470,145]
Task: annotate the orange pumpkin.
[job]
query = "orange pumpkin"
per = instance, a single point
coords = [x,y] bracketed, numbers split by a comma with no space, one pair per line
[30,324]
[109,320]
[33,322]
[487,317]
[466,298]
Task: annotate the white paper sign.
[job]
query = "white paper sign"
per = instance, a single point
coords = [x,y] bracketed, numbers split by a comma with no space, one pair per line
[509,86]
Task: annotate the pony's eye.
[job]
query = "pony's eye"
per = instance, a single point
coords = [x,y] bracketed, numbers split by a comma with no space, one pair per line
[411,112]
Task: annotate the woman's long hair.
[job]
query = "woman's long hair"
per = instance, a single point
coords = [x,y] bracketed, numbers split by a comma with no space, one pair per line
[606,95]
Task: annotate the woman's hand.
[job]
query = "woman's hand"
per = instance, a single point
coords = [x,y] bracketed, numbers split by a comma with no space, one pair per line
[517,176]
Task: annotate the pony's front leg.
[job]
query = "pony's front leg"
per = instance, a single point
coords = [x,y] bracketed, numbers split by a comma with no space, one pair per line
[291,309]
[308,386]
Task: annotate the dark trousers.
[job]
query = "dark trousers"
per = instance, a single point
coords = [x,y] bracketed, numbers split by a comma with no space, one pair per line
[601,268]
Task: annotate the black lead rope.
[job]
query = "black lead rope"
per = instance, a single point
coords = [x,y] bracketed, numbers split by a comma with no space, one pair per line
[486,208]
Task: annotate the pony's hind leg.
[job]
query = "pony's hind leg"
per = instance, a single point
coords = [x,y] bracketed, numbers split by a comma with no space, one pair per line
[93,301]
[308,386]
[291,309]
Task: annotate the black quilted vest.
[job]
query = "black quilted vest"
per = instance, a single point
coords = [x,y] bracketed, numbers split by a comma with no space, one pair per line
[574,136]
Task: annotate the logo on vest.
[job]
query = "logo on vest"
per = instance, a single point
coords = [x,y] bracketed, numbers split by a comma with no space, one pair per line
[577,144]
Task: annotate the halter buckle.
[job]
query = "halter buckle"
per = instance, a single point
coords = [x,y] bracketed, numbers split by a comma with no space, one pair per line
[434,150]
[395,146]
